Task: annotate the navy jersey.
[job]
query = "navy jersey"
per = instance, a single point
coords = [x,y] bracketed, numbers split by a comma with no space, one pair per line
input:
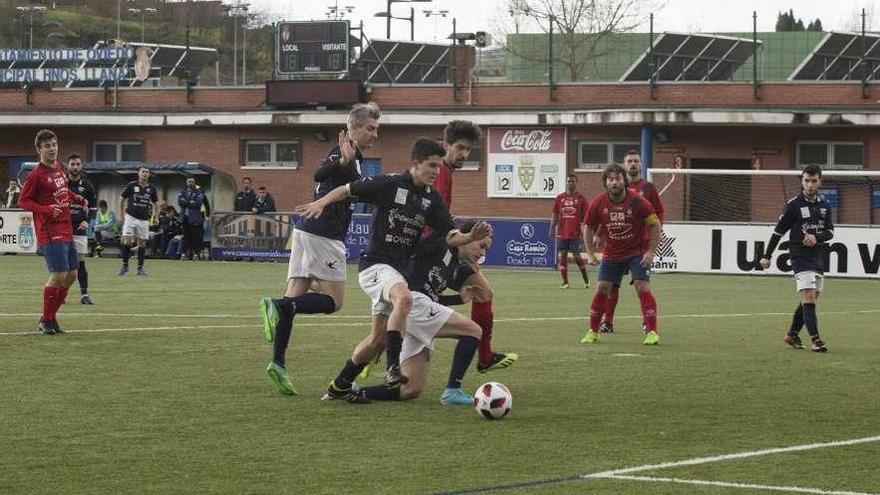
[78,214]
[800,217]
[435,268]
[140,199]
[334,221]
[402,211]
[191,201]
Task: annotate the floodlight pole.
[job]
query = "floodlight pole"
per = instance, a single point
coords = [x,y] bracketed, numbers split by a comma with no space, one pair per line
[864,59]
[552,87]
[454,61]
[652,79]
[756,85]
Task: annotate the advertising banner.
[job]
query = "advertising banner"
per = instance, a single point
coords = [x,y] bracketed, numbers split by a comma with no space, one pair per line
[737,248]
[17,233]
[521,243]
[526,162]
[251,236]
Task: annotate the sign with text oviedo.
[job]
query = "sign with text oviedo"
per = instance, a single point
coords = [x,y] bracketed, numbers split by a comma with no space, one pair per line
[737,248]
[526,162]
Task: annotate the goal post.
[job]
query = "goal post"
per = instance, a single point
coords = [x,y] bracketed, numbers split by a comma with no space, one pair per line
[758,196]
[718,221]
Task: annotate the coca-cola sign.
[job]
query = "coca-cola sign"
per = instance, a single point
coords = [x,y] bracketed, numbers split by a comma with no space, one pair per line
[528,141]
[521,141]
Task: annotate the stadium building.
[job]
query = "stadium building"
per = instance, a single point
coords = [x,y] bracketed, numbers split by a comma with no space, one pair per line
[693,103]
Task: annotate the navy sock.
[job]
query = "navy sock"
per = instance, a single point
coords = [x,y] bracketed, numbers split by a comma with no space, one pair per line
[283,330]
[348,374]
[461,359]
[810,320]
[797,321]
[82,276]
[308,303]
[381,392]
[142,253]
[393,345]
[126,254]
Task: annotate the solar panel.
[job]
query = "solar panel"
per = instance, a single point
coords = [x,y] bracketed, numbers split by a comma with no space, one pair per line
[838,57]
[405,62]
[691,57]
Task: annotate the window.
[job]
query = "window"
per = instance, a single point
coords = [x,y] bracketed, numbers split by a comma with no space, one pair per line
[118,151]
[472,162]
[595,155]
[831,155]
[272,154]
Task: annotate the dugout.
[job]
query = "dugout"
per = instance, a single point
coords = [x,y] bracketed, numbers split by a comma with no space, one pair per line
[109,178]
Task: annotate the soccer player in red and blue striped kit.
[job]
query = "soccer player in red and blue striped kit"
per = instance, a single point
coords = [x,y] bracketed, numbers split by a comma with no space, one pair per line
[624,216]
[46,194]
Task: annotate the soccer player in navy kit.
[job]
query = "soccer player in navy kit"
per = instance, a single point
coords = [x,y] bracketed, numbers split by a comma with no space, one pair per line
[405,204]
[318,244]
[141,198]
[80,218]
[436,267]
[807,217]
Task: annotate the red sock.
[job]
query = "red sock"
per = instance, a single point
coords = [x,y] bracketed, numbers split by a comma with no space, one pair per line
[649,310]
[48,302]
[596,310]
[611,305]
[62,296]
[563,268]
[482,315]
[581,265]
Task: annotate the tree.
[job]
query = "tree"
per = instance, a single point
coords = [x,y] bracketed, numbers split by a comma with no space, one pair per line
[580,28]
[786,21]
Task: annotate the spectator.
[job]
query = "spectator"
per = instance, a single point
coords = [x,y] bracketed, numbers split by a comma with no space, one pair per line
[244,200]
[194,208]
[172,236]
[10,195]
[264,202]
[106,226]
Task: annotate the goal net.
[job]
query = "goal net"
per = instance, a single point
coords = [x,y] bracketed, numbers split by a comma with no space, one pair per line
[758,196]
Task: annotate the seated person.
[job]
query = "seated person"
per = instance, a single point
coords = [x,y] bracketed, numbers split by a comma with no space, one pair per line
[106,227]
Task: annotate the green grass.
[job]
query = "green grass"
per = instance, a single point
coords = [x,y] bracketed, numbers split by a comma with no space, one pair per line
[189,410]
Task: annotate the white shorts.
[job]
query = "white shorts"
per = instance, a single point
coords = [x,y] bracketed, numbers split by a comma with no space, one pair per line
[82,244]
[424,321]
[809,280]
[316,257]
[136,227]
[376,281]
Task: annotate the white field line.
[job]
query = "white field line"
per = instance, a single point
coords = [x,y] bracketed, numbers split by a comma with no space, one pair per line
[752,486]
[497,320]
[728,457]
[189,327]
[164,315]
[353,324]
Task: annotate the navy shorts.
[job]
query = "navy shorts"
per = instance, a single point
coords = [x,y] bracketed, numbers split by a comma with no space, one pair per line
[614,270]
[570,245]
[60,256]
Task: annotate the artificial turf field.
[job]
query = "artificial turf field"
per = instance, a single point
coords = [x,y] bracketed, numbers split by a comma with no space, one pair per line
[160,388]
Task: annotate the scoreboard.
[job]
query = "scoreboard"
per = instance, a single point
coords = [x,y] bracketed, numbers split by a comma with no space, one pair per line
[312,47]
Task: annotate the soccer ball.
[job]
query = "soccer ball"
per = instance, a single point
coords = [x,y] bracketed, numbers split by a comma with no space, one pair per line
[492,400]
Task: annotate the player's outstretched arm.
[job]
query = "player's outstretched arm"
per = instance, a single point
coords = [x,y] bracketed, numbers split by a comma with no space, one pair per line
[315,208]
[480,231]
